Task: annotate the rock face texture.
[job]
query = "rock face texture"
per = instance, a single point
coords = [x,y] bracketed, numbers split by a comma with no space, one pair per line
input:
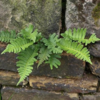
[85,85]
[85,14]
[92,97]
[8,60]
[67,69]
[95,67]
[9,78]
[94,49]
[82,13]
[32,94]
[69,81]
[44,15]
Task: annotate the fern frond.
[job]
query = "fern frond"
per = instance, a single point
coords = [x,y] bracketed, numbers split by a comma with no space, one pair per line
[79,36]
[39,37]
[93,38]
[6,36]
[43,55]
[76,49]
[51,43]
[32,36]
[26,60]
[53,61]
[28,33]
[17,45]
[25,32]
[67,35]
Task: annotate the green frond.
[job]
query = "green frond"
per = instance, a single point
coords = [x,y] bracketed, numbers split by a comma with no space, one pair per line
[32,36]
[93,38]
[28,33]
[67,35]
[17,45]
[79,36]
[6,36]
[53,61]
[26,60]
[51,43]
[39,37]
[76,49]
[25,32]
[44,54]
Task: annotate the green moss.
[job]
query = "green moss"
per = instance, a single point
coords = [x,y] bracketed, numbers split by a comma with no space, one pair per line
[96,13]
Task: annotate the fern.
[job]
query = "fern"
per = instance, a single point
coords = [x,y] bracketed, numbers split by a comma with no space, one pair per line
[53,61]
[93,38]
[79,36]
[44,55]
[75,49]
[26,60]
[33,35]
[28,33]
[17,45]
[6,36]
[51,43]
[32,46]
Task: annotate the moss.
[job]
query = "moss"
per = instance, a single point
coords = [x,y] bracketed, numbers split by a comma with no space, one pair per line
[43,14]
[96,13]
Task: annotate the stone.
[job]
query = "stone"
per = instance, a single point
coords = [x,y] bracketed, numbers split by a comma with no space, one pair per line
[85,14]
[81,14]
[44,15]
[78,13]
[9,78]
[87,84]
[66,70]
[8,60]
[92,97]
[89,97]
[94,49]
[33,94]
[95,67]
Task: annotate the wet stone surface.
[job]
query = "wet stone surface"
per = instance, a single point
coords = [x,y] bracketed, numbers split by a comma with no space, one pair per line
[92,97]
[94,49]
[8,60]
[33,94]
[95,67]
[9,78]
[87,84]
[70,66]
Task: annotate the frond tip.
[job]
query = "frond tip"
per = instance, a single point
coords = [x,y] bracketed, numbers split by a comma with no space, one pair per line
[76,49]
[53,61]
[78,35]
[17,45]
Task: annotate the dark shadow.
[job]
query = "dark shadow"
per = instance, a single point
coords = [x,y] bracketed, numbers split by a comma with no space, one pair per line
[0,92]
[63,26]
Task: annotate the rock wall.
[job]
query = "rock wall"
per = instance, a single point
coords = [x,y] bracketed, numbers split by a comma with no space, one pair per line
[74,79]
[43,14]
[86,14]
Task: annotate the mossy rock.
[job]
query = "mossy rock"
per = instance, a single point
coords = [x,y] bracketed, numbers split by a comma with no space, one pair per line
[96,14]
[43,14]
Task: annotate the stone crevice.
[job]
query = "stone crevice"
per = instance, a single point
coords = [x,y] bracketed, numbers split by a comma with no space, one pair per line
[0,92]
[63,26]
